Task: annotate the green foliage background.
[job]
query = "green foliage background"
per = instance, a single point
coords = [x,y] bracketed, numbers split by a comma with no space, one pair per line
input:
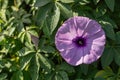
[27,31]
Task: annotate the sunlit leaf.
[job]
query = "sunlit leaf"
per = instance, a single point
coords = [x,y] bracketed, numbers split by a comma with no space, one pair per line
[17,3]
[28,37]
[84,2]
[24,60]
[11,30]
[67,1]
[21,36]
[3,6]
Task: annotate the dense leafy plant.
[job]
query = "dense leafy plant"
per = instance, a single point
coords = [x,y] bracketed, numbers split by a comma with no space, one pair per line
[27,31]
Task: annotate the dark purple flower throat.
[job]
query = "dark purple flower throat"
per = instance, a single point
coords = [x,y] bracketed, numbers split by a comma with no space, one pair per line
[79,41]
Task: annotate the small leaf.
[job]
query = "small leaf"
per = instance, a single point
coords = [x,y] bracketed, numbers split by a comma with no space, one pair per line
[26,16]
[54,19]
[67,1]
[3,8]
[118,37]
[109,21]
[66,11]
[112,78]
[57,77]
[108,70]
[107,57]
[42,14]
[48,49]
[84,68]
[3,76]
[17,3]
[21,36]
[110,4]
[101,73]
[100,11]
[2,40]
[118,71]
[11,30]
[64,75]
[108,28]
[99,78]
[17,76]
[34,68]
[50,76]
[46,29]
[44,62]
[106,73]
[27,20]
[96,1]
[66,67]
[84,2]
[28,37]
[24,60]
[26,75]
[40,3]
[33,32]
[117,55]
[27,1]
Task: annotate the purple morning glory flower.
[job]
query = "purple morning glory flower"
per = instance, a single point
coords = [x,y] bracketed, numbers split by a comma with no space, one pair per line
[80,40]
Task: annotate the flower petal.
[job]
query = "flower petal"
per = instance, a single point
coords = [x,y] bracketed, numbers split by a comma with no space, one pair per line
[92,53]
[89,56]
[69,27]
[68,55]
[63,45]
[92,28]
[73,56]
[64,36]
[98,38]
[98,49]
[81,23]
